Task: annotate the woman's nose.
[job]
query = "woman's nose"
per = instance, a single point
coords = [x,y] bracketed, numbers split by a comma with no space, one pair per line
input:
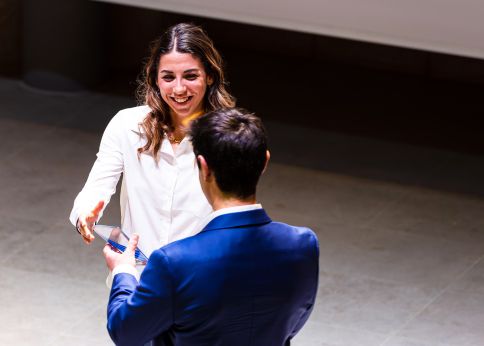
[179,88]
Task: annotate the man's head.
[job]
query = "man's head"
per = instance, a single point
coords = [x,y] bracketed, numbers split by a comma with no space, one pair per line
[232,143]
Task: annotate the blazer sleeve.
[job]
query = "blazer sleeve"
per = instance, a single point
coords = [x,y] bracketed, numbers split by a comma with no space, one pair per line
[313,255]
[138,313]
[103,178]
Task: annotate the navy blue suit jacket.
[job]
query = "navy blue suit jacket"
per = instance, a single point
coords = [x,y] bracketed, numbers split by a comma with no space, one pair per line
[244,280]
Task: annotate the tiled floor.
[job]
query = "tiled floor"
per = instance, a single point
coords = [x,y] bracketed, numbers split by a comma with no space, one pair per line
[401,229]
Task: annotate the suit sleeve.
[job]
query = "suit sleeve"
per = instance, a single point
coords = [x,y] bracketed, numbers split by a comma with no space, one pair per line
[314,273]
[138,313]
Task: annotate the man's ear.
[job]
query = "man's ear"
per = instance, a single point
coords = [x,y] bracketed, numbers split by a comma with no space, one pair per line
[268,157]
[204,169]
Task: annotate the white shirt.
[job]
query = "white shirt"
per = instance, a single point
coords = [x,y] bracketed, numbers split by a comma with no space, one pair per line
[163,201]
[126,268]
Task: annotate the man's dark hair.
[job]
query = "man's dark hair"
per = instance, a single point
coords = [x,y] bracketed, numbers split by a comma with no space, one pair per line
[233,142]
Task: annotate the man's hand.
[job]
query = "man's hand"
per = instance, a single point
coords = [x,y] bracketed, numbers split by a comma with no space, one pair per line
[86,222]
[114,258]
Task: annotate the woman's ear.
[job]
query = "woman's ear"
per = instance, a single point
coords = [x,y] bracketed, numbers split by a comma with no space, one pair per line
[209,80]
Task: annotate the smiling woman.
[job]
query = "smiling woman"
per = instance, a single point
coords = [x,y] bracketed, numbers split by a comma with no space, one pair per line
[183,64]
[161,198]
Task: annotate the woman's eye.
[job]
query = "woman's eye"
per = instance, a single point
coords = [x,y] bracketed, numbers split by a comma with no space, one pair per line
[167,78]
[191,76]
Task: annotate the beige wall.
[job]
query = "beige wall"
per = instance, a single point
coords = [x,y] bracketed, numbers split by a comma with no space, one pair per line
[444,26]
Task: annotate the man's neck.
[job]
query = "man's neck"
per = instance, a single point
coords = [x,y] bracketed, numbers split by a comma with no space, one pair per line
[220,203]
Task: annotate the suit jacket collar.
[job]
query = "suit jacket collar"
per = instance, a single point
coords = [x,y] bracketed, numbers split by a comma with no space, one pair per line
[239,219]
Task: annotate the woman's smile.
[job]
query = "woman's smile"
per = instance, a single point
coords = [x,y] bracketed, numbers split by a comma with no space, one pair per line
[181,99]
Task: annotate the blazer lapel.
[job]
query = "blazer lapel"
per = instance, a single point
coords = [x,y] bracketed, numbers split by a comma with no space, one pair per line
[240,219]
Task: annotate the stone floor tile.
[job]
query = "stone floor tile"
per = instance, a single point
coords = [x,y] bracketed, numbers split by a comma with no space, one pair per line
[336,198]
[80,341]
[89,331]
[61,251]
[454,318]
[44,196]
[15,336]
[315,333]
[16,135]
[16,236]
[48,303]
[408,342]
[420,261]
[472,281]
[366,304]
[444,215]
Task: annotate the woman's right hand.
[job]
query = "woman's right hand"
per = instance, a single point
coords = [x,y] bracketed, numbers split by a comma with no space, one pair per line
[86,222]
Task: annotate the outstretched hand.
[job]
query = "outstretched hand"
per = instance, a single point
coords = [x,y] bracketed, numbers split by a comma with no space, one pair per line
[86,222]
[114,258]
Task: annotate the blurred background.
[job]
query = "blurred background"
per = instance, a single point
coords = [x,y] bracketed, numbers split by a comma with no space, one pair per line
[375,119]
[343,85]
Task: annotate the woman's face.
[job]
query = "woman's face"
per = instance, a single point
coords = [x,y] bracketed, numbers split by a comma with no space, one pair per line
[182,81]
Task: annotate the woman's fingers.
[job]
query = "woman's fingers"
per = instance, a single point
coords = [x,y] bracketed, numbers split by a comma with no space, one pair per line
[86,223]
[88,240]
[86,232]
[85,226]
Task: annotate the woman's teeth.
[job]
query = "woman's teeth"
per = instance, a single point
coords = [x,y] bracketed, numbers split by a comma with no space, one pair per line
[181,99]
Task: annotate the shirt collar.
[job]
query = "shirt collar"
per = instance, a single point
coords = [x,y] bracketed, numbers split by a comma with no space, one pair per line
[224,211]
[184,147]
